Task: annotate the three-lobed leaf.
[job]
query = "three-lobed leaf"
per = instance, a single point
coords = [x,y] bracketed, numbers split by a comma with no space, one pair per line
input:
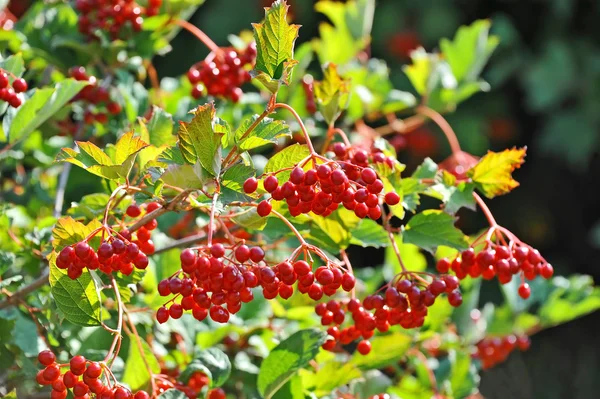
[493,173]
[265,132]
[432,228]
[275,39]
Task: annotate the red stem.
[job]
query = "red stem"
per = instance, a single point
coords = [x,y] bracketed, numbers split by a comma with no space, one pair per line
[203,37]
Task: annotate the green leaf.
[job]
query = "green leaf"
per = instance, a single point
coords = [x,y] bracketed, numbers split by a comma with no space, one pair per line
[332,94]
[172,394]
[158,131]
[275,42]
[432,228]
[115,166]
[234,177]
[267,131]
[493,173]
[385,350]
[40,107]
[470,49]
[286,158]
[200,139]
[463,378]
[287,358]
[569,299]
[330,376]
[136,373]
[13,64]
[250,219]
[212,362]
[78,299]
[369,234]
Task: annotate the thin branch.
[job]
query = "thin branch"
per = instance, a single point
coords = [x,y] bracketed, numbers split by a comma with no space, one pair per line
[200,35]
[444,125]
[28,289]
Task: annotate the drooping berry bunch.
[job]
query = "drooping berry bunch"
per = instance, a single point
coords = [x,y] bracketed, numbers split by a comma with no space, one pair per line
[10,92]
[117,17]
[83,377]
[322,189]
[501,261]
[404,303]
[492,351]
[117,253]
[97,97]
[223,74]
[214,281]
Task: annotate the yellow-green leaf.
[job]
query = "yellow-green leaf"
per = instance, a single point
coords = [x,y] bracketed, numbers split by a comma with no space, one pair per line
[136,374]
[493,173]
[275,39]
[332,93]
[68,231]
[265,132]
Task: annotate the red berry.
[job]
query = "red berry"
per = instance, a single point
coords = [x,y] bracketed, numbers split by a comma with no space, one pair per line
[264,208]
[58,394]
[242,253]
[80,388]
[217,250]
[455,299]
[392,198]
[256,254]
[141,395]
[368,175]
[133,211]
[47,357]
[69,379]
[94,370]
[162,315]
[302,268]
[20,85]
[216,393]
[270,183]
[121,393]
[364,347]
[51,373]
[250,185]
[77,364]
[82,250]
[524,291]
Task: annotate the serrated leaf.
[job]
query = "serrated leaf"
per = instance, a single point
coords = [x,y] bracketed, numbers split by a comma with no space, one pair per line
[432,228]
[369,234]
[115,166]
[332,93]
[469,50]
[493,173]
[212,362]
[43,104]
[330,376]
[68,231]
[286,158]
[275,42]
[385,350]
[266,131]
[158,131]
[200,141]
[250,219]
[234,177]
[78,299]
[287,358]
[136,374]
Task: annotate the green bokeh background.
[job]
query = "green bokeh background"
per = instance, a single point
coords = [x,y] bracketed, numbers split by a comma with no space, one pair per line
[545,79]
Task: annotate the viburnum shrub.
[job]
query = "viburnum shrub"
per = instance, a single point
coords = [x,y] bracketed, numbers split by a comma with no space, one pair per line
[204,245]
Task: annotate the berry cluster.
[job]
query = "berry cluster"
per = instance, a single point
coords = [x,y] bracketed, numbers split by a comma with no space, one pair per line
[222,74]
[10,93]
[217,280]
[83,378]
[493,351]
[118,253]
[322,189]
[404,303]
[192,389]
[117,17]
[374,158]
[96,95]
[502,261]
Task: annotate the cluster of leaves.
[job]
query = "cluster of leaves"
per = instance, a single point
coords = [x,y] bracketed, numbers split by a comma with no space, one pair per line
[270,348]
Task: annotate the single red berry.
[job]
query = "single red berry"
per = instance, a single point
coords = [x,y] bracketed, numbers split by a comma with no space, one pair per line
[392,198]
[51,373]
[455,298]
[133,211]
[264,208]
[270,183]
[217,250]
[82,250]
[302,268]
[93,370]
[141,395]
[46,357]
[162,315]
[242,253]
[77,364]
[524,291]
[364,347]
[20,85]
[69,379]
[216,393]
[80,388]
[121,393]
[187,257]
[250,185]
[368,175]
[256,254]
[58,394]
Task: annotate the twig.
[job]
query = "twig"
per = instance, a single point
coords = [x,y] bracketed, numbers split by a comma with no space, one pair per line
[64,176]
[28,289]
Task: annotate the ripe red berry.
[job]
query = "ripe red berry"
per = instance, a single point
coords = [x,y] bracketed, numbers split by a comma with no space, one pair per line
[141,395]
[69,379]
[217,250]
[368,175]
[46,357]
[264,208]
[51,373]
[256,254]
[270,183]
[58,394]
[524,291]
[242,253]
[133,211]
[80,388]
[93,370]
[121,393]
[364,347]
[162,315]
[77,364]
[216,393]
[250,185]
[392,198]
[82,250]
[302,268]
[176,311]
[455,299]
[20,85]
